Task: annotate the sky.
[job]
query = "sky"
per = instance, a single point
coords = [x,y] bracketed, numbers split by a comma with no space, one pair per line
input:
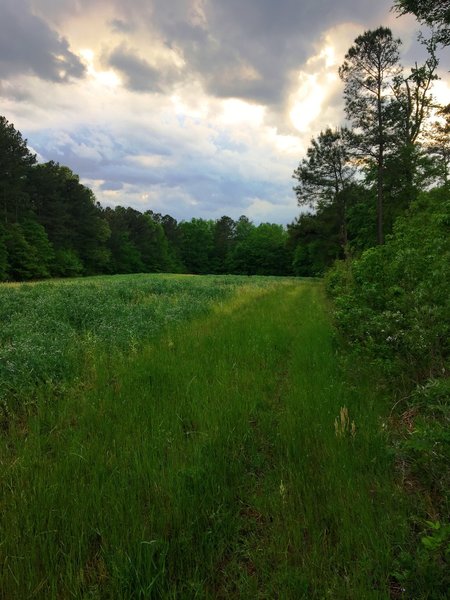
[193,108]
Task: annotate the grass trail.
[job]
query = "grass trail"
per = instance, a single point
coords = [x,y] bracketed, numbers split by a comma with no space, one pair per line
[206,466]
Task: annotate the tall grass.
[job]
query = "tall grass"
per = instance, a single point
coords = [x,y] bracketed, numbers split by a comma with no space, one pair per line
[206,465]
[48,329]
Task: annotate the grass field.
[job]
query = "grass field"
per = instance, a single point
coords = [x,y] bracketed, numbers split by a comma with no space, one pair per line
[188,437]
[49,329]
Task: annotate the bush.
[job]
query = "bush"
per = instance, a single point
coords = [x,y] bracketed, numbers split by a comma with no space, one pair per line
[393,301]
[393,305]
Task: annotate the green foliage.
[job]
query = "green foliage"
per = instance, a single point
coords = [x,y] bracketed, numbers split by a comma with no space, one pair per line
[3,254]
[173,236]
[21,258]
[393,305]
[156,251]
[125,256]
[67,263]
[41,249]
[368,175]
[425,449]
[326,170]
[434,13]
[325,174]
[15,162]
[197,243]
[46,327]
[317,242]
[407,172]
[224,241]
[71,218]
[263,251]
[369,71]
[237,259]
[316,239]
[47,185]
[425,569]
[437,146]
[362,218]
[396,304]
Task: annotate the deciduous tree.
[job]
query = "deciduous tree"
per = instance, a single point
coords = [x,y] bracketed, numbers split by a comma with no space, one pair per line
[197,245]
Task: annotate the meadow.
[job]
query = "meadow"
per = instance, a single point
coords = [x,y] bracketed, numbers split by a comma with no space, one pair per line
[50,330]
[189,437]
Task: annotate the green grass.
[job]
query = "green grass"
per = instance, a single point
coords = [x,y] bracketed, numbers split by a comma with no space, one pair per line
[49,328]
[205,463]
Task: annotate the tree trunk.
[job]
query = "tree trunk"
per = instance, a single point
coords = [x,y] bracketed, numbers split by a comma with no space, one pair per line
[380,232]
[380,160]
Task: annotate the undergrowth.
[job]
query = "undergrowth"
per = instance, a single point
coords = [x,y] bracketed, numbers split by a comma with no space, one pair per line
[392,308]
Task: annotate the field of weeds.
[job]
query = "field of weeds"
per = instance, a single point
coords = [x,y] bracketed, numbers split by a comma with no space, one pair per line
[188,437]
[50,331]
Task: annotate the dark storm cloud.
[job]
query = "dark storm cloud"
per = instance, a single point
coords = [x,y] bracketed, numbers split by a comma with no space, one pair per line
[250,49]
[29,45]
[245,49]
[138,74]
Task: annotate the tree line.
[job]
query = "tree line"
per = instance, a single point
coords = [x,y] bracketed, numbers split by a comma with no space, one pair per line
[52,226]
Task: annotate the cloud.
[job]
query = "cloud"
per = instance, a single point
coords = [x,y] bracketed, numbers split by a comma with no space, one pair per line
[217,170]
[136,72]
[29,45]
[111,186]
[254,46]
[121,26]
[188,107]
[249,50]
[16,93]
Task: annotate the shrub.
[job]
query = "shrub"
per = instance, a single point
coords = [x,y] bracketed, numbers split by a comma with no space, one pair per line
[393,301]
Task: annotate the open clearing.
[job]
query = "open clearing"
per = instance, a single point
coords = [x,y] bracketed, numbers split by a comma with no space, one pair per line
[188,438]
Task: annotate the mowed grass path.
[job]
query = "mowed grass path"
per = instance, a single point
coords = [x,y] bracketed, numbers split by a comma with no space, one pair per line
[207,465]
